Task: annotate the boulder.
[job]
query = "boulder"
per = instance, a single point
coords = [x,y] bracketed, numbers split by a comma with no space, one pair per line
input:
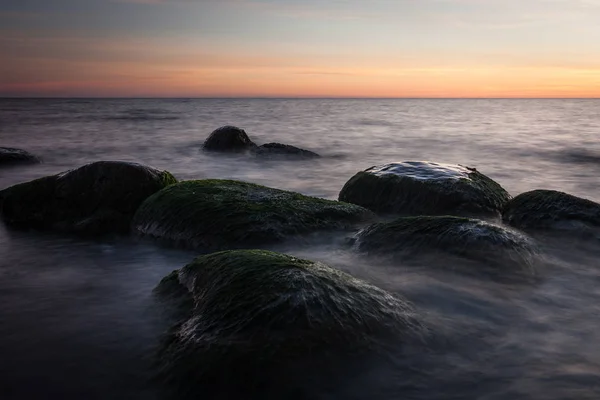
[215,214]
[552,210]
[257,324]
[10,156]
[228,139]
[284,150]
[96,198]
[469,238]
[425,188]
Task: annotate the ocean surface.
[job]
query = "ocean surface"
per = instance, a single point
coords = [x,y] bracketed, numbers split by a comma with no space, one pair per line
[78,318]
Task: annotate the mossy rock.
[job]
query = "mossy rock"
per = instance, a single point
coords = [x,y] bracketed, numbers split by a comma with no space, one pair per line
[96,198]
[284,150]
[552,210]
[228,139]
[469,238]
[11,156]
[257,320]
[424,188]
[218,214]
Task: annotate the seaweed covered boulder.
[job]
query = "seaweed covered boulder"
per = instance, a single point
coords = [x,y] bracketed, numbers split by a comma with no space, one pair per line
[256,324]
[465,237]
[216,214]
[552,210]
[425,188]
[228,139]
[284,150]
[96,198]
[11,156]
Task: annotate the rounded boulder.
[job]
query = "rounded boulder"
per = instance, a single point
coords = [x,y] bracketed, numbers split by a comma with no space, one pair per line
[465,237]
[552,210]
[228,139]
[215,214]
[259,324]
[284,150]
[96,198]
[425,188]
[10,156]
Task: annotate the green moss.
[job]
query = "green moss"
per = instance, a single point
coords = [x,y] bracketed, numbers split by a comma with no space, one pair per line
[262,313]
[96,198]
[470,238]
[551,209]
[217,214]
[166,178]
[476,195]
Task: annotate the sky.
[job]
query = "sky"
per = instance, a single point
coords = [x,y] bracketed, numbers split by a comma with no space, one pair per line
[300,48]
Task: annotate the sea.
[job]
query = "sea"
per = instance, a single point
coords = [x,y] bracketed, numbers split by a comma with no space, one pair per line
[78,318]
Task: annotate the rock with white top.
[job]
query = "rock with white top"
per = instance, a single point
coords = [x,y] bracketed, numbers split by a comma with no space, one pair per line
[425,188]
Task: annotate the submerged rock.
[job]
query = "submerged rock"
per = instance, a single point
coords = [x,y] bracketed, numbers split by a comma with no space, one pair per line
[96,198]
[425,188]
[261,324]
[278,149]
[552,210]
[10,156]
[218,214]
[465,237]
[228,139]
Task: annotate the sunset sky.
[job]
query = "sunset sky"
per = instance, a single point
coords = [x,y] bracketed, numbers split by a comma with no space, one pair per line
[300,48]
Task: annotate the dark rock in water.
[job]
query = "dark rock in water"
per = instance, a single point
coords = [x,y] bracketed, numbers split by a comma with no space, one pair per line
[217,214]
[465,237]
[266,325]
[552,210]
[228,139]
[425,188]
[10,156]
[96,198]
[278,149]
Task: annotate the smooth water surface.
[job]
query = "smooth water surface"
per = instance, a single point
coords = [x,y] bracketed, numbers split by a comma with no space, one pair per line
[78,318]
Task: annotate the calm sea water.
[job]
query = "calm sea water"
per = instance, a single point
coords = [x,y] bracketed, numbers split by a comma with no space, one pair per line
[78,319]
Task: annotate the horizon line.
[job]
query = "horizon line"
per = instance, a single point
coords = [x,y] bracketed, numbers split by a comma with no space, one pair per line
[281,98]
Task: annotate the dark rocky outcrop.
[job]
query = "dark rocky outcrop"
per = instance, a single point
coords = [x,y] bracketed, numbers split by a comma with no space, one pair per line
[278,149]
[425,188]
[96,198]
[228,139]
[217,214]
[469,238]
[552,210]
[11,156]
[257,324]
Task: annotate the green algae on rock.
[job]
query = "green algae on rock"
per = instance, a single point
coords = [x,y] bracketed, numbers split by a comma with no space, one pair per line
[552,210]
[96,198]
[257,317]
[216,214]
[425,188]
[470,238]
[11,156]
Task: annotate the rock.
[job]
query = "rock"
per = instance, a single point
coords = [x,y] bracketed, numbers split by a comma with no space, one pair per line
[278,149]
[255,321]
[217,214]
[10,156]
[96,198]
[425,188]
[228,139]
[552,210]
[469,238]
